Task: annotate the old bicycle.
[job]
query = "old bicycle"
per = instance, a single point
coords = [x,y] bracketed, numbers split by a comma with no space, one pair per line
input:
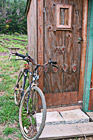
[28,100]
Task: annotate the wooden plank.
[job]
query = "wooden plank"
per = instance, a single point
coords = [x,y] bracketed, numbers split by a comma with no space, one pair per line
[67,108]
[83,48]
[66,131]
[40,38]
[32,29]
[60,99]
[88,68]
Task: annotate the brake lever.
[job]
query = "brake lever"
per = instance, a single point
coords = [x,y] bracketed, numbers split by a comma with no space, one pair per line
[49,61]
[13,53]
[55,66]
[52,62]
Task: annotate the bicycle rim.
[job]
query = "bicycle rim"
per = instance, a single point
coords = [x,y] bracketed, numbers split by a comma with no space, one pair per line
[28,120]
[19,87]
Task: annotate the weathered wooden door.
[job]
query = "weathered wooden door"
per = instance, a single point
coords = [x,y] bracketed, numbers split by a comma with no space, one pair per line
[62,43]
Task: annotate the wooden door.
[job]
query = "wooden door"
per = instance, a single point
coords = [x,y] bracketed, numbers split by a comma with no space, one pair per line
[62,43]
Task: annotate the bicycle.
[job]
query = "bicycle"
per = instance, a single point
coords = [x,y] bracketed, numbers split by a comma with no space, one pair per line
[29,100]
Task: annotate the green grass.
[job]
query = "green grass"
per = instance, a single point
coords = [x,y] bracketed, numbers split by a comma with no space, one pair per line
[9,130]
[8,75]
[7,41]
[8,68]
[8,110]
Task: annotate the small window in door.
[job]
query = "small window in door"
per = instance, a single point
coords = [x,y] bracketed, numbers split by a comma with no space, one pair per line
[64,16]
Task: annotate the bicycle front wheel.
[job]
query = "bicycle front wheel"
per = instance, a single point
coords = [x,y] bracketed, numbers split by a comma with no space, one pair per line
[29,114]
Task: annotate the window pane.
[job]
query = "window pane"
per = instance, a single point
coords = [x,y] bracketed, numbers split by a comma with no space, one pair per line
[64,16]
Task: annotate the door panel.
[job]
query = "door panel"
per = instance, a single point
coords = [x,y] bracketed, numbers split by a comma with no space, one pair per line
[63,46]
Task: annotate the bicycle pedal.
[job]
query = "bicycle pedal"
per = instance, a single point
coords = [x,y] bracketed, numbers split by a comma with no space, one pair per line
[25,129]
[16,89]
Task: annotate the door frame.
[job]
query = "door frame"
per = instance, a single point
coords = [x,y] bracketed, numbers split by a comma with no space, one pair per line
[75,96]
[89,58]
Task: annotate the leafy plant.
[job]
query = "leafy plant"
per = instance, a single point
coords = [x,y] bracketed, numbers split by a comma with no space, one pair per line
[12,17]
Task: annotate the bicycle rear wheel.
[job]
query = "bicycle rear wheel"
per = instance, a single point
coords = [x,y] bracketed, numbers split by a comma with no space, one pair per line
[19,87]
[28,120]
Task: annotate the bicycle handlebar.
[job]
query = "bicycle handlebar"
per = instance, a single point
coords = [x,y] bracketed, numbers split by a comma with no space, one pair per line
[21,55]
[52,62]
[25,58]
[29,59]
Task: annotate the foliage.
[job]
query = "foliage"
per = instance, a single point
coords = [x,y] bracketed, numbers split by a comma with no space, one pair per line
[12,16]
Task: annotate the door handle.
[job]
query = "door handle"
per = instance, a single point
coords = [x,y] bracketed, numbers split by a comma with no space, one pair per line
[80,40]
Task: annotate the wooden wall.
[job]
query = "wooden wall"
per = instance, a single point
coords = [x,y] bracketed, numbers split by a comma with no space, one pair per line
[32,30]
[45,42]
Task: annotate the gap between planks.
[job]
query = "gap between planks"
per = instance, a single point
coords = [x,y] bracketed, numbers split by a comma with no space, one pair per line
[59,109]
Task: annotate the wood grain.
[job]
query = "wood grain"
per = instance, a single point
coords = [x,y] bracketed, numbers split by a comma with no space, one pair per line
[62,81]
[60,131]
[83,46]
[66,98]
[40,38]
[32,29]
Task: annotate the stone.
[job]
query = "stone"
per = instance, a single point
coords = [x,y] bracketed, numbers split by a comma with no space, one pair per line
[51,118]
[74,116]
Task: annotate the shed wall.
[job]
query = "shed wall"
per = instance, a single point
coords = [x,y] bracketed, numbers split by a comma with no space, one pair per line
[32,30]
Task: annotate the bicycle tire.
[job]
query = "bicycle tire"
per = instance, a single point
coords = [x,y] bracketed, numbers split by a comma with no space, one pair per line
[22,127]
[18,88]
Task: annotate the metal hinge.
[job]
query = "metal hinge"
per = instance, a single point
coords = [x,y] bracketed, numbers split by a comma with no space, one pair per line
[80,102]
[44,10]
[91,88]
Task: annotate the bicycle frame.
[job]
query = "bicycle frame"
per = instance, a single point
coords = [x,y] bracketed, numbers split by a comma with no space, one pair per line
[35,76]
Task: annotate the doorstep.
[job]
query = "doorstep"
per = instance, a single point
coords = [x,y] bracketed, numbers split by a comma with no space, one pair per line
[65,124]
[52,132]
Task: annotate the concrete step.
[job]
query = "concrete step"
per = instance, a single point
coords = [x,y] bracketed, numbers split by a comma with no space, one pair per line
[52,118]
[74,116]
[65,124]
[64,117]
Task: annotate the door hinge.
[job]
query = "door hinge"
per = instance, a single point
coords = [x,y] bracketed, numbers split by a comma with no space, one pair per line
[91,88]
[44,10]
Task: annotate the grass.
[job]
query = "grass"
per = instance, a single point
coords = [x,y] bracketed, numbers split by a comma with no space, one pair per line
[8,75]
[8,110]
[9,130]
[7,41]
[8,68]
